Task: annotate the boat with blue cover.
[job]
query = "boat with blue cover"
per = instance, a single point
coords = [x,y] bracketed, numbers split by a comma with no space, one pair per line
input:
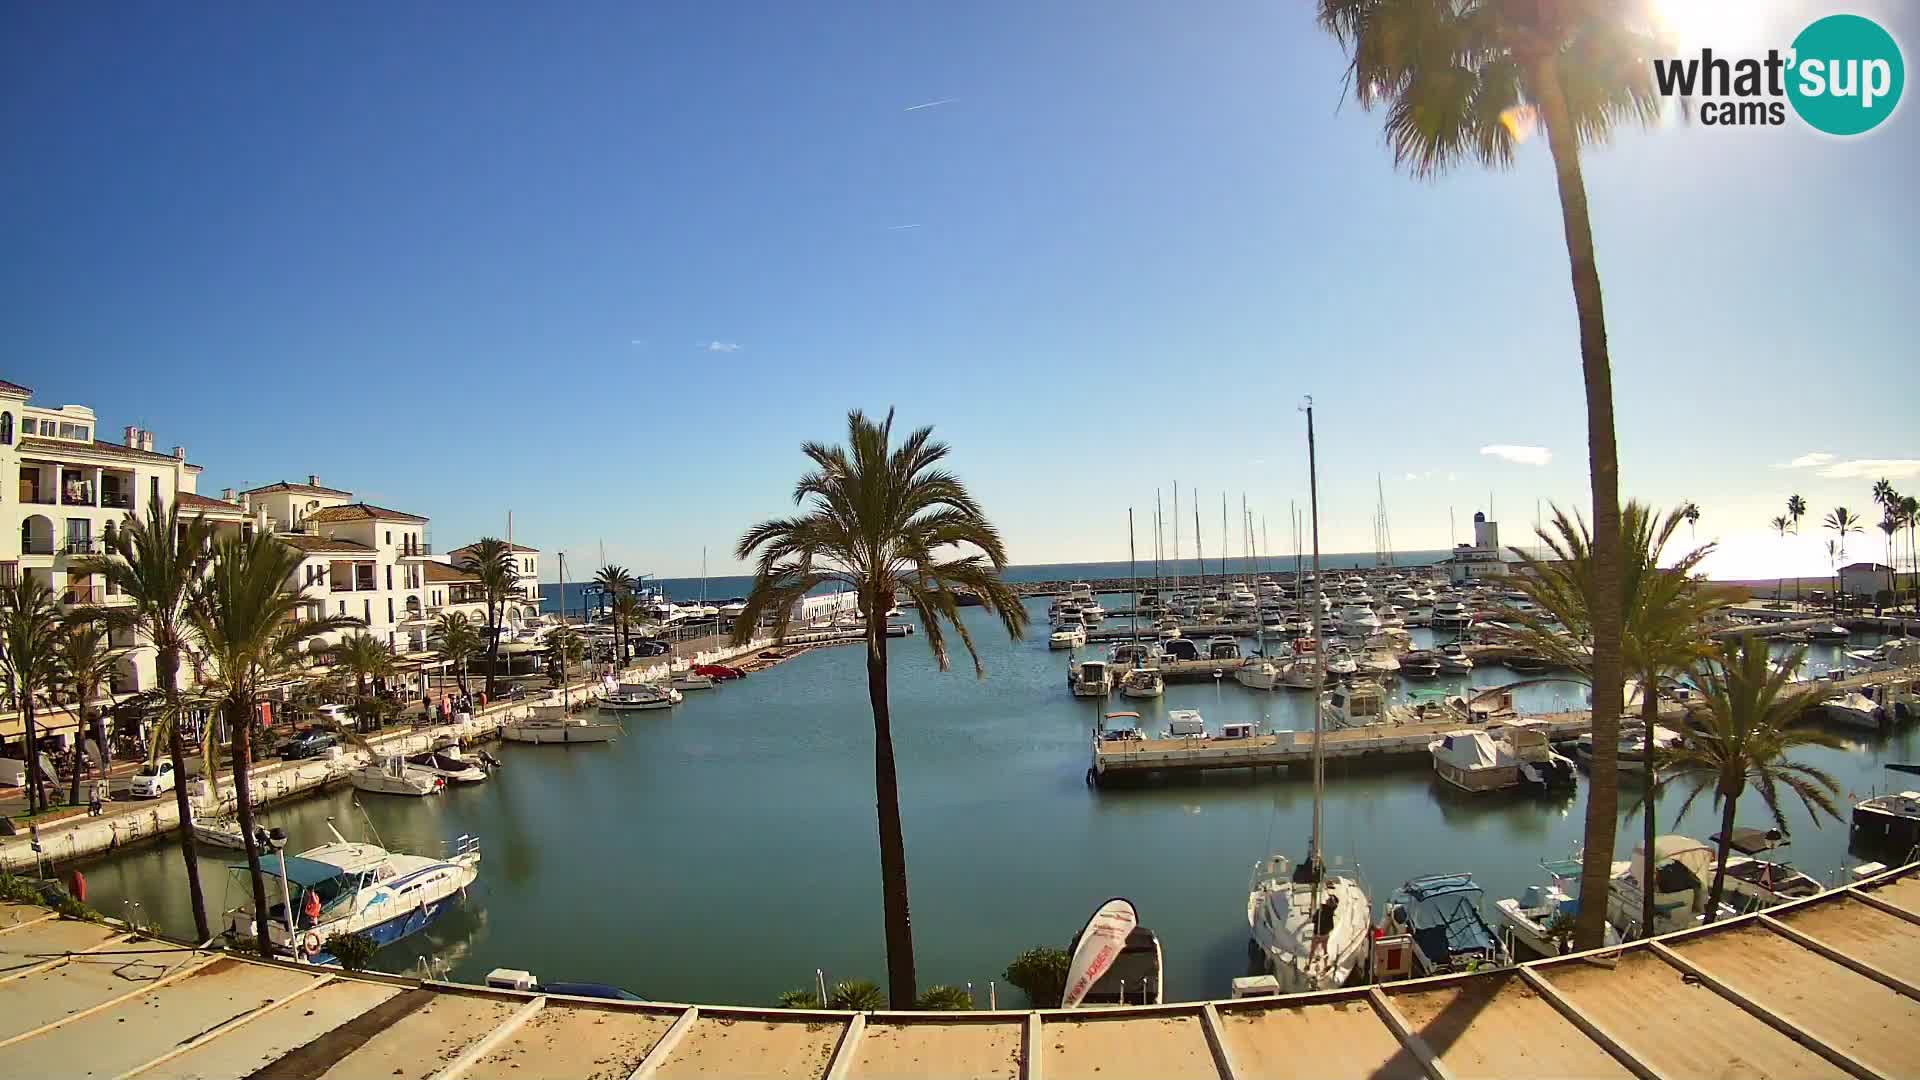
[1441,913]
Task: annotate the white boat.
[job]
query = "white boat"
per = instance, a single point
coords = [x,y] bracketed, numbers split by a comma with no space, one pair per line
[1071,636]
[360,888]
[1513,754]
[638,697]
[1093,614]
[1541,918]
[1341,664]
[1682,876]
[1852,708]
[1142,682]
[551,724]
[1311,928]
[1420,664]
[1361,703]
[1377,663]
[393,776]
[1359,620]
[450,765]
[220,833]
[1185,724]
[1454,660]
[1257,673]
[1089,678]
[690,680]
[1754,883]
[1451,615]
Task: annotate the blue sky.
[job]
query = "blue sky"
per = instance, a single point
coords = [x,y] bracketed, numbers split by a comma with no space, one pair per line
[608,265]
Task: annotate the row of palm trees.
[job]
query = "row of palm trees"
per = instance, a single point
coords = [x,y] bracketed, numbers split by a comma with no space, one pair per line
[227,608]
[1898,513]
[620,586]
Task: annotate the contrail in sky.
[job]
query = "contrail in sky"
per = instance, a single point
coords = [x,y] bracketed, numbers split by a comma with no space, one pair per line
[930,104]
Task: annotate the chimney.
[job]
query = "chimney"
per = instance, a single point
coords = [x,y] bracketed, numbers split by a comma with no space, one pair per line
[312,480]
[146,441]
[226,495]
[133,437]
[179,453]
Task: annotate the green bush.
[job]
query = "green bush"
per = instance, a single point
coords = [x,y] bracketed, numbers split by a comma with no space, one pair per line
[944,999]
[1041,973]
[858,995]
[18,890]
[352,951]
[799,999]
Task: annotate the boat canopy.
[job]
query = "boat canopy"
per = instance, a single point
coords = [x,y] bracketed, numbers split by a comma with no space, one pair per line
[1443,911]
[1468,750]
[301,872]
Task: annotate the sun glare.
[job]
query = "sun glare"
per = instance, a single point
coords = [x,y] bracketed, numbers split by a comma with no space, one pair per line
[1697,23]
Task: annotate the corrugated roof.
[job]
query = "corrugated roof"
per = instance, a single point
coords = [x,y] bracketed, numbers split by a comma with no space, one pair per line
[361,512]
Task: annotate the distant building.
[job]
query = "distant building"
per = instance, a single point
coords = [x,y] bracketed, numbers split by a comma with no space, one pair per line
[1481,559]
[809,611]
[526,563]
[451,590]
[1864,578]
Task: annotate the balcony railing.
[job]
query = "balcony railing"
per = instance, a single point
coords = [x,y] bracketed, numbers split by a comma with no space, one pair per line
[83,546]
[119,500]
[32,546]
[9,573]
[77,498]
[421,547]
[38,498]
[81,594]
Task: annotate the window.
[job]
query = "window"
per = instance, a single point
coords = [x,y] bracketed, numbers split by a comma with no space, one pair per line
[389,536]
[389,609]
[343,607]
[389,577]
[153,489]
[75,431]
[366,610]
[6,429]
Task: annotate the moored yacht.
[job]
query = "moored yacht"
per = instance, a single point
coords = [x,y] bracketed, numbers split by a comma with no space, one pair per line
[358,888]
[393,776]
[1451,614]
[450,765]
[1541,918]
[1453,659]
[1441,914]
[1089,678]
[638,697]
[1142,682]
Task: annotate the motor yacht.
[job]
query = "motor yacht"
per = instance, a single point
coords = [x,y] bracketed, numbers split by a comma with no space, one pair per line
[1341,664]
[1089,678]
[1142,682]
[1420,664]
[450,765]
[360,889]
[1451,614]
[393,776]
[1257,673]
[1453,659]
[1358,619]
[1441,914]
[640,696]
[1541,918]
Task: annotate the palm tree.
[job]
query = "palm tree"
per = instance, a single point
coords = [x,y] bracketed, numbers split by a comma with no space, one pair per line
[1910,513]
[1780,524]
[1456,80]
[878,520]
[246,613]
[1890,502]
[627,614]
[86,663]
[29,662]
[1841,522]
[492,561]
[368,660]
[613,581]
[459,641]
[1691,512]
[1796,509]
[1666,615]
[564,646]
[155,563]
[1889,524]
[1743,738]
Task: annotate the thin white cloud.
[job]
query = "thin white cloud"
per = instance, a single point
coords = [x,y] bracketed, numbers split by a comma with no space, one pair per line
[930,104]
[1519,455]
[902,228]
[1872,469]
[1808,461]
[723,346]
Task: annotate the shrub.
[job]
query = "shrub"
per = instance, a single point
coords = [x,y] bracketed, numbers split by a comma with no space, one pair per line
[353,951]
[859,995]
[944,999]
[1041,973]
[799,999]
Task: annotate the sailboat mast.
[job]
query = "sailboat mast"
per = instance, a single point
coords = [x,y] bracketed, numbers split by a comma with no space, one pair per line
[1320,668]
[1223,539]
[1159,543]
[1133,573]
[1176,534]
[1199,553]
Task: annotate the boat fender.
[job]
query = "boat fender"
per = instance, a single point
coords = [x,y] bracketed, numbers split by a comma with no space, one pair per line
[310,944]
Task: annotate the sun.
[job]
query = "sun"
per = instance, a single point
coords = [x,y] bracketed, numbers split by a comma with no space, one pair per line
[1696,23]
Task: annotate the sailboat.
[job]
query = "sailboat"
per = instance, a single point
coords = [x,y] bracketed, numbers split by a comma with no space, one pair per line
[1311,929]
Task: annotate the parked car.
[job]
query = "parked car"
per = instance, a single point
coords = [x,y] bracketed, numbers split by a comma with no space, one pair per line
[152,781]
[310,743]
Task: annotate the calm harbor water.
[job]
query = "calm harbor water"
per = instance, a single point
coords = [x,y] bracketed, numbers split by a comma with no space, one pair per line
[723,851]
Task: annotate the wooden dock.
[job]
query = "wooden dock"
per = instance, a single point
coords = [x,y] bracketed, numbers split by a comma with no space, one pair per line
[1827,986]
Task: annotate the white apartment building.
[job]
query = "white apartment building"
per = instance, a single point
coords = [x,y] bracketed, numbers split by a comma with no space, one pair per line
[526,563]
[360,560]
[70,490]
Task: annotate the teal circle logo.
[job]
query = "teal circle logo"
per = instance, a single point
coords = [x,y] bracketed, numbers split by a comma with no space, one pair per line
[1847,75]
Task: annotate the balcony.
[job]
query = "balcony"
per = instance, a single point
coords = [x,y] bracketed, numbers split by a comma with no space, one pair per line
[36,496]
[118,500]
[418,547]
[77,497]
[82,594]
[83,545]
[36,545]
[9,573]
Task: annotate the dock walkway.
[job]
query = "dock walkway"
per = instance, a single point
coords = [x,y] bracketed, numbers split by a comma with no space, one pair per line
[1820,987]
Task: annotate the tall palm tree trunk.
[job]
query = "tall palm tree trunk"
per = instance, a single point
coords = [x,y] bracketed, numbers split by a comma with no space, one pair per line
[493,650]
[1727,808]
[1649,714]
[893,849]
[238,716]
[79,750]
[35,797]
[169,663]
[1603,789]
